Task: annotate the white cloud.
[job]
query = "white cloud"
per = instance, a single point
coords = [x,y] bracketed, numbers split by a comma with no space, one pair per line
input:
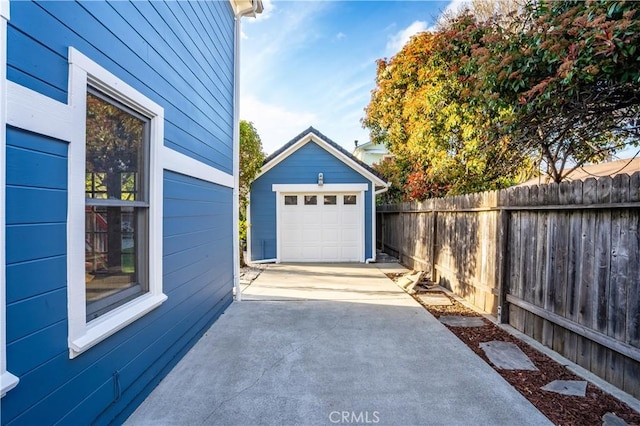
[399,39]
[243,36]
[275,124]
[340,35]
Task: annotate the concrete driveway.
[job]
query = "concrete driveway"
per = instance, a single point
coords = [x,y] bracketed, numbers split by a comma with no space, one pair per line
[331,344]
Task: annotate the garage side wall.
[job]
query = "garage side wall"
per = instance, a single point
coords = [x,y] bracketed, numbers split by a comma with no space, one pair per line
[301,167]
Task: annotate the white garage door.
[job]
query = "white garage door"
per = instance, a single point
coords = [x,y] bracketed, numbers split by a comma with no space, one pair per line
[321,227]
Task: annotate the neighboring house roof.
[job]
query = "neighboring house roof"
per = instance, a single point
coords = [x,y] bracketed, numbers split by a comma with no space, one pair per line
[611,168]
[371,147]
[342,154]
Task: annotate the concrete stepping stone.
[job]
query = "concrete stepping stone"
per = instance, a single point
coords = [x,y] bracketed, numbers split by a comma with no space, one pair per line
[610,419]
[435,299]
[567,387]
[507,356]
[460,321]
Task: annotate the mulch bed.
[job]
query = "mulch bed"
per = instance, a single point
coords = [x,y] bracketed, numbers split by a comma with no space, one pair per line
[560,409]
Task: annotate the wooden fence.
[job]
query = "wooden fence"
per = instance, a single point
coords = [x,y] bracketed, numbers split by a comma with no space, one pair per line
[560,263]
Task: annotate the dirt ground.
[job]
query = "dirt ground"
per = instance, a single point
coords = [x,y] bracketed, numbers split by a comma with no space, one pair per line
[560,409]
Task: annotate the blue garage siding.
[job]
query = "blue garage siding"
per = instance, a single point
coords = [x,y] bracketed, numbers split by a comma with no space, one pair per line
[300,167]
[197,268]
[179,54]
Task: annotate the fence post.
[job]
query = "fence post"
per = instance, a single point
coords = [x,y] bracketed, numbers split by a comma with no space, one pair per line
[382,231]
[503,266]
[434,244]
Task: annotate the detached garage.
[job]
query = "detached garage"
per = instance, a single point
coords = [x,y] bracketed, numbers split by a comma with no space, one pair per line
[313,202]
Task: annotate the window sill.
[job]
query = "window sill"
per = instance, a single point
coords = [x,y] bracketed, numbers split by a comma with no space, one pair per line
[7,382]
[110,323]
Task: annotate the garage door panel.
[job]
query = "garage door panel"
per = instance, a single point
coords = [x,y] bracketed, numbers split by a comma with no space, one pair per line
[349,235]
[331,253]
[331,218]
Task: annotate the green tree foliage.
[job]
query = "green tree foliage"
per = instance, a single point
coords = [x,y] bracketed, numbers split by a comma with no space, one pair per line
[572,77]
[251,159]
[478,103]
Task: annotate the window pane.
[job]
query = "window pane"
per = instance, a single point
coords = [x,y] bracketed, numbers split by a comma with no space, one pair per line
[115,151]
[290,200]
[330,200]
[349,199]
[113,238]
[310,200]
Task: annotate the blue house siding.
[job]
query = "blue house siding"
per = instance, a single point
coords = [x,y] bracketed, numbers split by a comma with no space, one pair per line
[300,167]
[197,280]
[180,55]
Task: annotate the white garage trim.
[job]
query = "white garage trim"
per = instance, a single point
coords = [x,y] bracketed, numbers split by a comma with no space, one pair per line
[330,187]
[282,189]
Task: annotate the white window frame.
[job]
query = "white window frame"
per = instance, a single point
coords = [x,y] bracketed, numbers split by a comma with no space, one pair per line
[7,380]
[83,335]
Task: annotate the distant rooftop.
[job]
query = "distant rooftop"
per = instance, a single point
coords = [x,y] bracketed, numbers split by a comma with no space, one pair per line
[611,168]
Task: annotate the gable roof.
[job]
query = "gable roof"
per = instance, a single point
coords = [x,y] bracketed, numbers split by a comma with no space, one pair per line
[330,146]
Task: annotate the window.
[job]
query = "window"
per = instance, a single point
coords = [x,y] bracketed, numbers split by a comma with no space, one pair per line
[290,200]
[116,206]
[349,200]
[114,231]
[330,200]
[310,200]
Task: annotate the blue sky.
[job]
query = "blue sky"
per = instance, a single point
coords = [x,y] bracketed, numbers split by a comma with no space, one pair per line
[313,63]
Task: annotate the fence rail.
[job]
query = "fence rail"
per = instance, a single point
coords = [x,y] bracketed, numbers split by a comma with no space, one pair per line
[559,262]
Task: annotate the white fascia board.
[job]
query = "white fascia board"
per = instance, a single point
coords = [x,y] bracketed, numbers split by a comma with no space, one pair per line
[309,137]
[329,187]
[246,7]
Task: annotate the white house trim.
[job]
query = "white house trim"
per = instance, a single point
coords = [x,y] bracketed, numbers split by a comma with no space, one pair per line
[281,189]
[40,114]
[7,380]
[180,163]
[309,137]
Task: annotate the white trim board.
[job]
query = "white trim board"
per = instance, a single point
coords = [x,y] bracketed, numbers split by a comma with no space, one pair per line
[33,111]
[312,137]
[7,380]
[330,187]
[177,162]
[4,13]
